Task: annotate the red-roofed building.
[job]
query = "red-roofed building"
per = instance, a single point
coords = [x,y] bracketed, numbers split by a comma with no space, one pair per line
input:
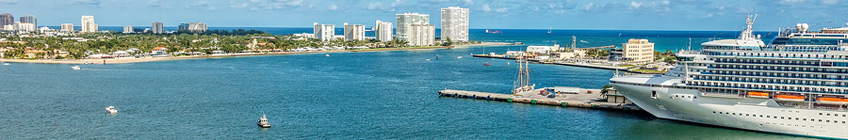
[159,51]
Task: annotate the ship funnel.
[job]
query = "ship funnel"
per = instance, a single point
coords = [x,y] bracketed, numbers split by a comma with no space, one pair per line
[802,27]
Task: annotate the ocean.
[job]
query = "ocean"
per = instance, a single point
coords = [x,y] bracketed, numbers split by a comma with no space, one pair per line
[364,95]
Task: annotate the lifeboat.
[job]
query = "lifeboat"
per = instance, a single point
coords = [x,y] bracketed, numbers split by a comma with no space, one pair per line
[756,94]
[791,98]
[832,101]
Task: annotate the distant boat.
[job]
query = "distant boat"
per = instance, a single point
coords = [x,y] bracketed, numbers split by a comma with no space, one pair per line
[550,30]
[486,64]
[76,67]
[459,57]
[111,110]
[328,55]
[493,31]
[263,122]
[6,64]
[584,41]
[427,59]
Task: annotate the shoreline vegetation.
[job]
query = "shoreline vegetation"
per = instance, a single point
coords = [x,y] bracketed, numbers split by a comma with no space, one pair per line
[118,48]
[169,58]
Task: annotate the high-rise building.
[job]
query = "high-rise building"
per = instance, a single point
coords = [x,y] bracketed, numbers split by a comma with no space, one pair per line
[383,31]
[638,50]
[197,27]
[405,20]
[354,32]
[24,27]
[455,24]
[422,35]
[67,27]
[158,28]
[183,27]
[88,25]
[323,32]
[128,29]
[29,19]
[6,19]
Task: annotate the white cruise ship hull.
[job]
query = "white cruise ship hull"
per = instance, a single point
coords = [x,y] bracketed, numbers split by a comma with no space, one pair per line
[755,114]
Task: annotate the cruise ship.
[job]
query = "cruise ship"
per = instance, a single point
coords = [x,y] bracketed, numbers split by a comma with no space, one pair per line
[796,85]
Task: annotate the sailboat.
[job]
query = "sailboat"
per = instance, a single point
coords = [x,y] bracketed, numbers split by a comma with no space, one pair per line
[522,81]
[549,30]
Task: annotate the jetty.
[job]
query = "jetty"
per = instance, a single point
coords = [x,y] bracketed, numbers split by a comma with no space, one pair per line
[571,97]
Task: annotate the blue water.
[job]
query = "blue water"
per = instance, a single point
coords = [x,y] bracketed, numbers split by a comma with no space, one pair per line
[367,95]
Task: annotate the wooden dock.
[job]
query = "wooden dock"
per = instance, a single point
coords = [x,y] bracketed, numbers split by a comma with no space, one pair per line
[569,100]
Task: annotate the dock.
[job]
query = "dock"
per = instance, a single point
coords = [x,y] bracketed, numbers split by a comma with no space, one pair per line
[582,99]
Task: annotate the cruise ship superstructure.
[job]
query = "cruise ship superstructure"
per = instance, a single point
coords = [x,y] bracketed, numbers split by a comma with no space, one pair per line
[796,85]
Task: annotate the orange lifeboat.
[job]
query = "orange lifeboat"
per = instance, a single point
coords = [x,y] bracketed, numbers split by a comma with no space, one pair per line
[756,94]
[791,98]
[831,101]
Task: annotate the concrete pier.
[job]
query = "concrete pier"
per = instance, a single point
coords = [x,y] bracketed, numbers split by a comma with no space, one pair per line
[585,99]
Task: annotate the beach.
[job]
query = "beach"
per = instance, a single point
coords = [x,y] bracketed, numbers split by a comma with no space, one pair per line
[168,58]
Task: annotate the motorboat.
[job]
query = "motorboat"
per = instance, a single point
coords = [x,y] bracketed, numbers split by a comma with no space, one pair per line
[486,64]
[263,122]
[111,110]
[76,67]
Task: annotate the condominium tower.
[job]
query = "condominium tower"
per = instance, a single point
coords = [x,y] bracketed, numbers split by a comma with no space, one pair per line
[638,50]
[6,19]
[29,19]
[455,24]
[157,28]
[354,32]
[323,32]
[128,29]
[422,35]
[67,27]
[383,31]
[406,20]
[88,25]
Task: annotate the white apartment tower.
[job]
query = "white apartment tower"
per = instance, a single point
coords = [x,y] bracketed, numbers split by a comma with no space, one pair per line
[128,29]
[383,31]
[354,32]
[67,27]
[638,50]
[422,35]
[88,25]
[455,24]
[406,20]
[323,32]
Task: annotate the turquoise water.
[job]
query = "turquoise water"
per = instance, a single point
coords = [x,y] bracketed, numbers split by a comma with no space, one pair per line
[369,95]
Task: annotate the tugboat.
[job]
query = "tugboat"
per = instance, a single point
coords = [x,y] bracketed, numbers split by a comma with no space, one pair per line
[111,110]
[263,122]
[76,67]
[486,64]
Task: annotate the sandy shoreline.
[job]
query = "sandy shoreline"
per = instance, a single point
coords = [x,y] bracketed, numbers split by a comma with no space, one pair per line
[152,59]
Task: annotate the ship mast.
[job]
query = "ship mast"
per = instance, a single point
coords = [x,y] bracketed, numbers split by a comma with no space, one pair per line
[748,33]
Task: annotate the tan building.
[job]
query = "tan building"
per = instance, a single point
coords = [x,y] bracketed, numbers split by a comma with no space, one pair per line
[638,50]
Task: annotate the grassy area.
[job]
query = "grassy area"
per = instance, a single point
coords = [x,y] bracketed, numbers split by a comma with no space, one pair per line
[648,71]
[627,66]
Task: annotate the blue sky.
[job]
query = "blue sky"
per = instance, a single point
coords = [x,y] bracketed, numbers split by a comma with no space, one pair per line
[499,14]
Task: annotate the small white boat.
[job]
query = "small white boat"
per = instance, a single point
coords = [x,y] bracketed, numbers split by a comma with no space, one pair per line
[427,59]
[263,122]
[328,55]
[76,67]
[460,57]
[111,110]
[6,64]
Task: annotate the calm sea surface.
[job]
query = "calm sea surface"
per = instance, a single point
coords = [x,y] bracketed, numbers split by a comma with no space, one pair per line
[369,95]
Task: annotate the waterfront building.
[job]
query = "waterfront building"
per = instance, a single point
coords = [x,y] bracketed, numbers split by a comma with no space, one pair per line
[128,29]
[29,19]
[638,50]
[6,19]
[383,31]
[422,35]
[323,32]
[9,27]
[406,20]
[195,27]
[67,27]
[88,25]
[354,32]
[455,24]
[158,28]
[796,85]
[24,27]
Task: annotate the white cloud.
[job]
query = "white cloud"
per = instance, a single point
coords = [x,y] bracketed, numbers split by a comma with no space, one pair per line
[397,3]
[375,6]
[485,7]
[8,1]
[791,2]
[468,2]
[202,5]
[333,7]
[93,3]
[635,5]
[157,4]
[268,4]
[502,10]
[829,1]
